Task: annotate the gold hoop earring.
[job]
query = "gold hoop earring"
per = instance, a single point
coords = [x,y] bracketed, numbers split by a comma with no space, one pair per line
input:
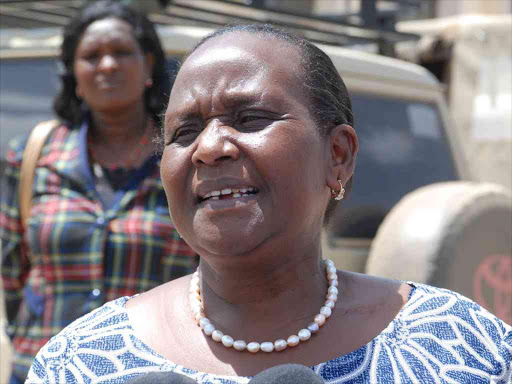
[338,195]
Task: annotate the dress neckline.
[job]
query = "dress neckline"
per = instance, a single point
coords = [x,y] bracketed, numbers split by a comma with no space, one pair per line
[180,368]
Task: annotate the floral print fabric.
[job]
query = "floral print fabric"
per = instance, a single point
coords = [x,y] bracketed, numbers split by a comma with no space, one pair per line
[437,337]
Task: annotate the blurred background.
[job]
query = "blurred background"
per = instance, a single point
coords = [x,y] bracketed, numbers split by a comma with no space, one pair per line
[464,136]
[464,43]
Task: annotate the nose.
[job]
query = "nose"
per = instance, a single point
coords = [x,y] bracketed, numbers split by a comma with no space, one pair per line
[108,63]
[215,144]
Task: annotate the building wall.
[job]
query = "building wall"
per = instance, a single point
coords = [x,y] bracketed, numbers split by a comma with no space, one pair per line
[445,8]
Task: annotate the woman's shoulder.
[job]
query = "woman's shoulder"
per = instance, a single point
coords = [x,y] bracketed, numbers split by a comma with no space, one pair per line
[17,144]
[422,301]
[431,302]
[448,315]
[99,344]
[439,336]
[110,317]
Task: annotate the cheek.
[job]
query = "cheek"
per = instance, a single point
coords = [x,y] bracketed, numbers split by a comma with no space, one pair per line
[136,68]
[173,174]
[82,68]
[168,172]
[295,157]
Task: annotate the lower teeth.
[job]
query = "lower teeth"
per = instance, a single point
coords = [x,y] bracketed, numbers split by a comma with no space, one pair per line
[234,195]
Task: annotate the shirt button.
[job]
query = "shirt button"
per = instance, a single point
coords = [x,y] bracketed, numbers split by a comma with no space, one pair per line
[96,292]
[100,221]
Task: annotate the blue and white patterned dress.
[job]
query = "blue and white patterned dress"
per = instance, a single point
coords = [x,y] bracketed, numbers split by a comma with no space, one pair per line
[437,337]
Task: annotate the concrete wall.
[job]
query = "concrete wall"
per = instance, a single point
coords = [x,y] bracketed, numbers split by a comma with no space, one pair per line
[446,8]
[481,99]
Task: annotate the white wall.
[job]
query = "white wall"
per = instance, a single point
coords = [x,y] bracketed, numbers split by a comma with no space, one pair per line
[446,8]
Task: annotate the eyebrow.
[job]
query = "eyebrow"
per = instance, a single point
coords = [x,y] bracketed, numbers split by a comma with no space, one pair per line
[231,99]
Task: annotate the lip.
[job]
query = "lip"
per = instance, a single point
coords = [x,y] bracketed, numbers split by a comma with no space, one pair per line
[107,85]
[225,204]
[206,187]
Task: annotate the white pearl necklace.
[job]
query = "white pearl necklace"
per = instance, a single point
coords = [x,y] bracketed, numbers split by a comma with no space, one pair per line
[267,346]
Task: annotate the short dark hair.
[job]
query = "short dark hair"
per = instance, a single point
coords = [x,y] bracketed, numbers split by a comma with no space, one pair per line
[330,102]
[66,104]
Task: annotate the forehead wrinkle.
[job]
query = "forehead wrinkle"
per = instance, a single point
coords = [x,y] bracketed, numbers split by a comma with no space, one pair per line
[227,88]
[239,91]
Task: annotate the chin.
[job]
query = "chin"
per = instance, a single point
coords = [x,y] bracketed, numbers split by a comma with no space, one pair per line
[226,243]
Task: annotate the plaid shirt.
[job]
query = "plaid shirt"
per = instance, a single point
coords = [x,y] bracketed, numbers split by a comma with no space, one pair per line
[77,254]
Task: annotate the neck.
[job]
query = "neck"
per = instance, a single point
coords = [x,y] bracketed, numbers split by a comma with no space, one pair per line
[119,127]
[278,293]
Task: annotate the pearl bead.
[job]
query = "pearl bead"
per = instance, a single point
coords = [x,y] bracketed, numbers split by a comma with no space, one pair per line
[195,296]
[293,340]
[203,321]
[326,311]
[217,335]
[227,341]
[253,347]
[208,329]
[196,307]
[332,296]
[313,327]
[280,345]
[320,319]
[333,289]
[239,345]
[304,334]
[267,346]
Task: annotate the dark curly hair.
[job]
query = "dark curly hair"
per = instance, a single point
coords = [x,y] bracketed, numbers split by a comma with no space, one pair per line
[66,104]
[330,102]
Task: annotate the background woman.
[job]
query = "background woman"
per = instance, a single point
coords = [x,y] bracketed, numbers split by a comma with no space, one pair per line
[259,145]
[99,227]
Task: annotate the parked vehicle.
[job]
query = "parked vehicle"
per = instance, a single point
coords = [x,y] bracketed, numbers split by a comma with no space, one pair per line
[413,212]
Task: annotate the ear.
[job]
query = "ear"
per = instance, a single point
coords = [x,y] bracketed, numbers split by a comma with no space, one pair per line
[78,92]
[149,61]
[343,151]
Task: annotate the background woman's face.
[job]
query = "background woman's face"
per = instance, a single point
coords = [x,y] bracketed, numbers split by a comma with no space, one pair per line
[238,124]
[109,66]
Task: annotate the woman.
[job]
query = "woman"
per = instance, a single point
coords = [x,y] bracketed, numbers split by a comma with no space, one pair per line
[259,145]
[99,227]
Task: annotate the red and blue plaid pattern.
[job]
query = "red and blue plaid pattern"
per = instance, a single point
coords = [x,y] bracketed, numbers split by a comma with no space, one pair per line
[77,254]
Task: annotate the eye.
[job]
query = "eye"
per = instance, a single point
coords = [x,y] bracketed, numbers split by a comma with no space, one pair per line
[253,121]
[123,52]
[185,135]
[91,56]
[248,119]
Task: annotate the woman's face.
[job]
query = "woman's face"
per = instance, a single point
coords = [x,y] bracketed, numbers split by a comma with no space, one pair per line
[243,162]
[110,67]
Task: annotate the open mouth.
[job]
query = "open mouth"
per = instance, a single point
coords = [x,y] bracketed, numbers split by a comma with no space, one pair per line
[229,193]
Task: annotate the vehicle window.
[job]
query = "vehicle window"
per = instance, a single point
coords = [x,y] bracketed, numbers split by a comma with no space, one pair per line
[403,146]
[26,93]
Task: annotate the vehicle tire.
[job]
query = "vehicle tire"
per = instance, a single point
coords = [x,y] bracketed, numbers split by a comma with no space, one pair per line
[455,235]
